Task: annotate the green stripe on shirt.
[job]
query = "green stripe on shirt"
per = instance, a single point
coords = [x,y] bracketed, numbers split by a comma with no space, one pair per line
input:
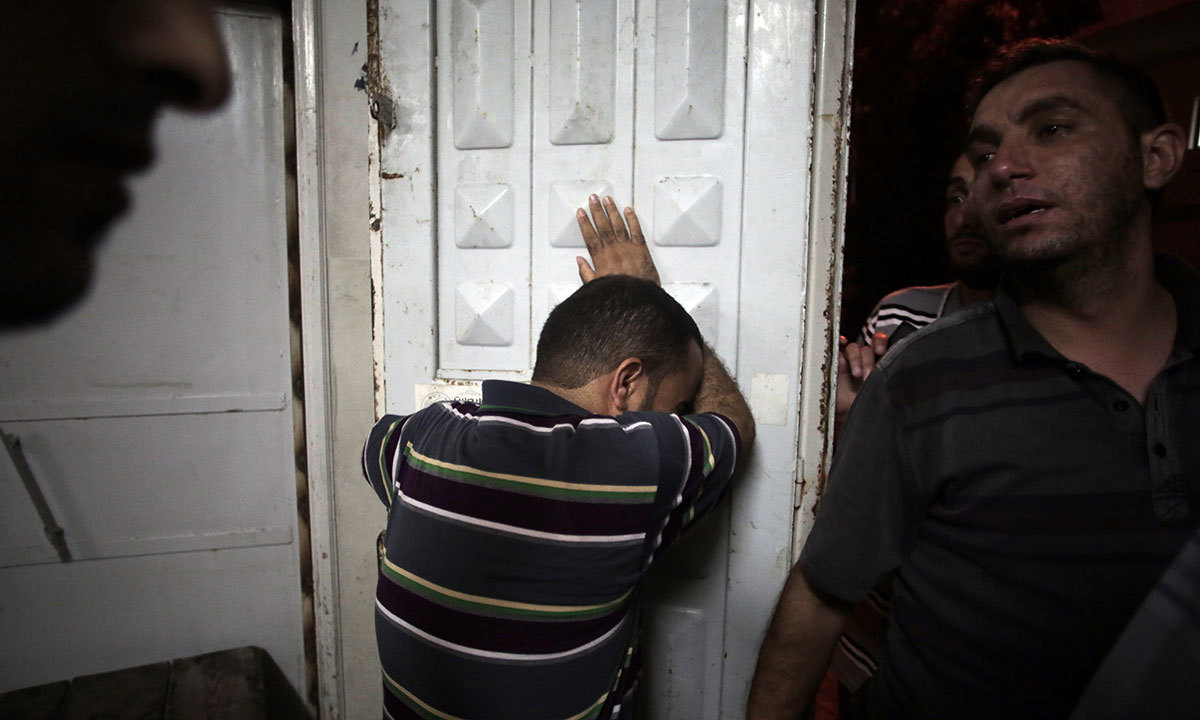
[384,474]
[540,486]
[454,598]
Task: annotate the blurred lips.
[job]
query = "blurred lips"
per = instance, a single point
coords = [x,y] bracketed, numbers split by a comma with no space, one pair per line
[91,172]
[125,157]
[91,186]
[128,150]
[1020,212]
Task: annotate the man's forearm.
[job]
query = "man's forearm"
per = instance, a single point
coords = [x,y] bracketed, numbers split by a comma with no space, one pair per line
[719,393]
[795,653]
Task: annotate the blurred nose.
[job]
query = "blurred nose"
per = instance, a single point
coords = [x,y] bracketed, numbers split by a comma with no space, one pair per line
[177,44]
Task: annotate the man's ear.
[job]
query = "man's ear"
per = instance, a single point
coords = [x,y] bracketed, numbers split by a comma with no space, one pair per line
[627,386]
[1162,155]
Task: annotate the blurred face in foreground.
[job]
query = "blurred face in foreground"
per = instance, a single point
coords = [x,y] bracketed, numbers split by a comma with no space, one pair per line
[81,83]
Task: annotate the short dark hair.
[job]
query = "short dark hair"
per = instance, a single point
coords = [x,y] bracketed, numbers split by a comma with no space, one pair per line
[608,320]
[1140,101]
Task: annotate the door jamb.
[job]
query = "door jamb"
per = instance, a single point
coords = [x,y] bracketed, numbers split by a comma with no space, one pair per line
[314,293]
[834,61]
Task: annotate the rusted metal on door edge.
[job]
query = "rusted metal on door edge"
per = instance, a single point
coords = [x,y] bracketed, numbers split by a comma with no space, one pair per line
[833,63]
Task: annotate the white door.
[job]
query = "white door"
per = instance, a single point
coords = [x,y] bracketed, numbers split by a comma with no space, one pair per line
[156,418]
[696,113]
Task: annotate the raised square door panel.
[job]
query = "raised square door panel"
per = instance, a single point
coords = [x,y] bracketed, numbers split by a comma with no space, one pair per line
[483,89]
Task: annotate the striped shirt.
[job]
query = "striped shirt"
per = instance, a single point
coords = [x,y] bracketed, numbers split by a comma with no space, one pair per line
[518,534]
[909,309]
[1026,503]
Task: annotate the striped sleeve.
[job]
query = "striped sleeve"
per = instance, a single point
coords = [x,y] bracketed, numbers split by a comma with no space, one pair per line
[868,328]
[704,458]
[915,307]
[379,456]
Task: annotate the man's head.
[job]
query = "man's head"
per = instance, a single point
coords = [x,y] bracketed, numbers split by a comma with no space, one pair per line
[1135,93]
[1066,146]
[972,260]
[81,83]
[620,343]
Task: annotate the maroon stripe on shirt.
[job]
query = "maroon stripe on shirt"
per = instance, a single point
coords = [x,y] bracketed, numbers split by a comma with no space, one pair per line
[494,634]
[553,515]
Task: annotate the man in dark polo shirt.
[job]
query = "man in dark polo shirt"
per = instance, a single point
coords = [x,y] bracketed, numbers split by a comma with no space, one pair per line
[519,529]
[1029,466]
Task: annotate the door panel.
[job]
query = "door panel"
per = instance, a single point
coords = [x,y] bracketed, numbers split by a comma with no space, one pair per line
[142,485]
[582,133]
[688,188]
[483,181]
[690,87]
[689,68]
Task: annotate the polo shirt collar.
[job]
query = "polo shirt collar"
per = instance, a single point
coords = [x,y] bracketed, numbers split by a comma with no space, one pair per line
[1026,342]
[528,399]
[1176,276]
[1184,285]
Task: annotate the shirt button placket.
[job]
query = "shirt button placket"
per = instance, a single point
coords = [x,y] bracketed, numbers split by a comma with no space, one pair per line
[1170,496]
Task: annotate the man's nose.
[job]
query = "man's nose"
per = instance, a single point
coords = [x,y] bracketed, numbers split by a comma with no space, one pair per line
[970,216]
[177,44]
[1009,162]
[953,221]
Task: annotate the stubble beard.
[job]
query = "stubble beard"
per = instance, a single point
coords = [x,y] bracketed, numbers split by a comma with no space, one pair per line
[982,272]
[1095,252]
[647,404]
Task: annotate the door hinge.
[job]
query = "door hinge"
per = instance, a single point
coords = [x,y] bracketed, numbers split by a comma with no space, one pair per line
[384,111]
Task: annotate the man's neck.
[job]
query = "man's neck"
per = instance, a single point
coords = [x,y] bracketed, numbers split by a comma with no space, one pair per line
[586,397]
[1113,317]
[969,294]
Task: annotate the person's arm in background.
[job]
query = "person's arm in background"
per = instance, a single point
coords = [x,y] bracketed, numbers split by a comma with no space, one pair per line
[616,251]
[796,650]
[856,360]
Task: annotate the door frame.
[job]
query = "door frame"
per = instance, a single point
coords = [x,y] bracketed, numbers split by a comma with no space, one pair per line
[314,303]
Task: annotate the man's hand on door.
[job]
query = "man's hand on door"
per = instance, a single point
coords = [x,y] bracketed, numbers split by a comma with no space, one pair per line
[614,250]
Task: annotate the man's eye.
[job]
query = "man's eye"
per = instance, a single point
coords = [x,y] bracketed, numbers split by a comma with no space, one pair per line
[1053,129]
[981,159]
[956,199]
